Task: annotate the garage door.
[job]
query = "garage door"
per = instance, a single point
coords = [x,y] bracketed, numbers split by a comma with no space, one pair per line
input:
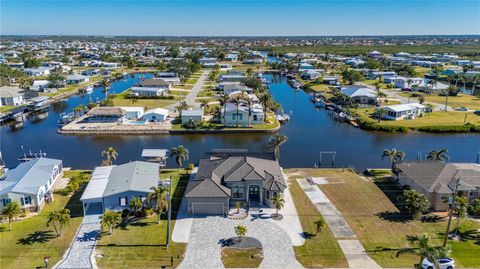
[208,208]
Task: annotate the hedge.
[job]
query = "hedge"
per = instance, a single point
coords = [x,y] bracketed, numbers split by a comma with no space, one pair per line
[451,129]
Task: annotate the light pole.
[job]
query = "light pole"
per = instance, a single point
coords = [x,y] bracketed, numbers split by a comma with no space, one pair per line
[169,212]
[452,203]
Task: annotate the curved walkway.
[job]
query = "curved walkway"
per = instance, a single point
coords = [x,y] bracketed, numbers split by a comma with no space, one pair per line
[204,245]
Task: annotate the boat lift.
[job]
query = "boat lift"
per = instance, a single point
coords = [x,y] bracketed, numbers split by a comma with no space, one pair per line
[332,153]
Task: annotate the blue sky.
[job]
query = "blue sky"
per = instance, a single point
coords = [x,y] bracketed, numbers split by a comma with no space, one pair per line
[234,18]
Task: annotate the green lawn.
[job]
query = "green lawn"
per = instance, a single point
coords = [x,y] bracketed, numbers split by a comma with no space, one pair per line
[241,258]
[6,108]
[369,211]
[72,88]
[146,103]
[451,118]
[271,123]
[30,240]
[142,244]
[472,102]
[320,250]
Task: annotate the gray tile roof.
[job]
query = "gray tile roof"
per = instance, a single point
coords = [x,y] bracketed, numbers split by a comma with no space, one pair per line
[216,168]
[437,176]
[134,176]
[29,176]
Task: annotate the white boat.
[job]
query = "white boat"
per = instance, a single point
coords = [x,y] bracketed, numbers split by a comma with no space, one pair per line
[89,89]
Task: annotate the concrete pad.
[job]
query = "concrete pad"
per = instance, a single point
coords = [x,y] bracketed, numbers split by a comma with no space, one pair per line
[356,255]
[183,223]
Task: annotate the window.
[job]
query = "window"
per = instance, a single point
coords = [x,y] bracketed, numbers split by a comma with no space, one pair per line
[28,200]
[238,192]
[268,195]
[6,201]
[123,201]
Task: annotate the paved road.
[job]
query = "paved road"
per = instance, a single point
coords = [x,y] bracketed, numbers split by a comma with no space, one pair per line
[204,245]
[352,248]
[192,94]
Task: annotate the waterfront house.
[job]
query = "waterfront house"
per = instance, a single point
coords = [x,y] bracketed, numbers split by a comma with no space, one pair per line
[253,60]
[156,115]
[234,76]
[407,83]
[420,84]
[433,179]
[156,83]
[91,72]
[132,112]
[113,187]
[77,79]
[194,115]
[232,57]
[242,115]
[381,74]
[312,74]
[148,91]
[330,80]
[360,95]
[228,176]
[40,85]
[236,87]
[31,183]
[10,96]
[403,111]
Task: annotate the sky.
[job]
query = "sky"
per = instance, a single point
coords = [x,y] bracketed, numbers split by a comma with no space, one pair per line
[239,18]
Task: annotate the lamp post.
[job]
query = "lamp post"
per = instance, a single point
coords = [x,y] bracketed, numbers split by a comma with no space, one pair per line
[452,203]
[169,212]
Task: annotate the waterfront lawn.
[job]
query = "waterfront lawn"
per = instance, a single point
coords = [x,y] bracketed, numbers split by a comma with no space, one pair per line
[6,108]
[437,118]
[466,100]
[272,123]
[142,243]
[318,251]
[72,88]
[30,240]
[375,220]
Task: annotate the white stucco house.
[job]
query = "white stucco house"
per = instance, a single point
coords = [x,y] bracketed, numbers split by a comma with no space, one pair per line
[404,111]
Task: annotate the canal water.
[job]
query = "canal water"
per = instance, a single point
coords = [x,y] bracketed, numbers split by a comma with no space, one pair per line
[310,132]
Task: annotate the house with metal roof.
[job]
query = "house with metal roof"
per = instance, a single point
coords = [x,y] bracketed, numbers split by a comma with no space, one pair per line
[435,180]
[359,94]
[31,183]
[225,177]
[112,187]
[10,96]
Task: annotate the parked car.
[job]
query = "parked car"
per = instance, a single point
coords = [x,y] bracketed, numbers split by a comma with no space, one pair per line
[445,263]
[462,108]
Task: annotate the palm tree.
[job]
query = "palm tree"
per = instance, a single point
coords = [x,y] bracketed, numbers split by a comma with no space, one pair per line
[319,223]
[237,100]
[275,142]
[278,202]
[432,83]
[379,113]
[204,104]
[181,155]
[438,155]
[110,220]
[224,100]
[461,209]
[240,231]
[394,155]
[266,100]
[110,155]
[105,84]
[135,204]
[158,196]
[238,205]
[78,109]
[425,249]
[11,211]
[182,106]
[249,102]
[59,219]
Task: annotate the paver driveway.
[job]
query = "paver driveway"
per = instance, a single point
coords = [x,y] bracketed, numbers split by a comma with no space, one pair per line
[204,245]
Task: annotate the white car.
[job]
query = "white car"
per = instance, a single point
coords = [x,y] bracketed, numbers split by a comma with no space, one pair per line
[445,263]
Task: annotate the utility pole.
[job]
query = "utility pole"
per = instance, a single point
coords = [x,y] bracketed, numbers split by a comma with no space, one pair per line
[169,213]
[452,203]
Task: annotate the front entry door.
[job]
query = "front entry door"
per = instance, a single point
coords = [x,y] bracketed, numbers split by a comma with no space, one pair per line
[254,193]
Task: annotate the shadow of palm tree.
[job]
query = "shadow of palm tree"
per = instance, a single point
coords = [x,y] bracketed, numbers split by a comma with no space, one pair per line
[432,218]
[90,236]
[395,216]
[307,235]
[36,237]
[465,236]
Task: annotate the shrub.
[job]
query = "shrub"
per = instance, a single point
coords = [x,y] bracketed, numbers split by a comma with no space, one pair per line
[168,97]
[450,128]
[371,126]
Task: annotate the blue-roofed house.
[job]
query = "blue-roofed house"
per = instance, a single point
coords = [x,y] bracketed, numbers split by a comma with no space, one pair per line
[31,183]
[112,187]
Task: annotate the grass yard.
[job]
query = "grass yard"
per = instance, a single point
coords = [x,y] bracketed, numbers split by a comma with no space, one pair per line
[72,88]
[272,123]
[241,258]
[6,108]
[142,244]
[451,118]
[320,250]
[30,240]
[371,214]
[472,102]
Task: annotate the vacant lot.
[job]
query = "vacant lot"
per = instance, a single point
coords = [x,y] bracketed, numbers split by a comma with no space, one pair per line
[374,219]
[320,250]
[466,100]
[30,240]
[142,243]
